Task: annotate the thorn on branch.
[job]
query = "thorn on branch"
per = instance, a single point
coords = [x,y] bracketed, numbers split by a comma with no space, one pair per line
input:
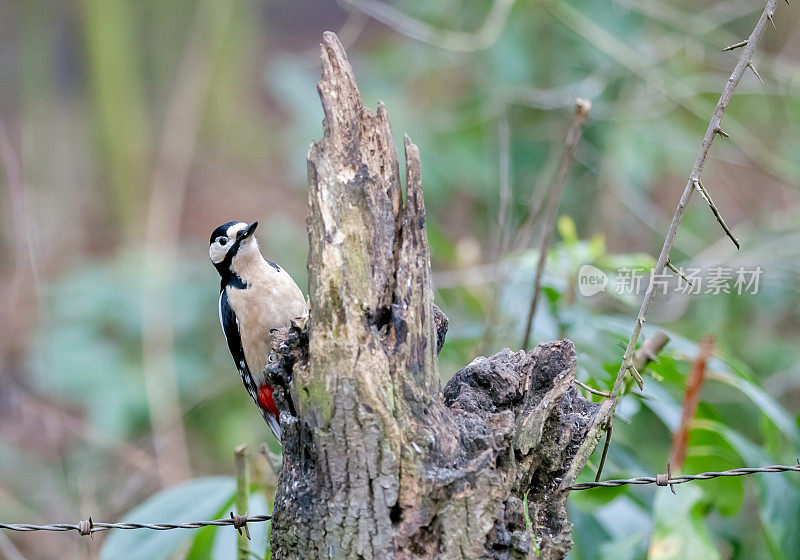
[592,390]
[707,197]
[735,46]
[769,17]
[752,67]
[636,375]
[678,272]
[721,132]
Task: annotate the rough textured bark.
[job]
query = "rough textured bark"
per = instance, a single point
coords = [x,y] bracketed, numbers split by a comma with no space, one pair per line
[378,460]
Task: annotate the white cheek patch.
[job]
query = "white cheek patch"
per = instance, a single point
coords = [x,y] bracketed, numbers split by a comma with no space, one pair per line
[216,253]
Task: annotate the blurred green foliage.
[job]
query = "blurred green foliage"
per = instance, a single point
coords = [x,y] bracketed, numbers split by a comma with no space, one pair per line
[84,90]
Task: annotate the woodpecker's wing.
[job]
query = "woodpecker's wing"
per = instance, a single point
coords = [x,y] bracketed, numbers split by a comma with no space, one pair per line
[230,328]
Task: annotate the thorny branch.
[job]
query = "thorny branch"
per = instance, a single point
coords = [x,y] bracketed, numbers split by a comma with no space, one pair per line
[714,128]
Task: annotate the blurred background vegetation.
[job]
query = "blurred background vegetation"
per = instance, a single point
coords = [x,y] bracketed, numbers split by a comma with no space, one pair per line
[129,130]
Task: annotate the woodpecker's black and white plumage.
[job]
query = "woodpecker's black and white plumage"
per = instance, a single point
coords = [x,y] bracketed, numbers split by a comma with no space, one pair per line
[256,296]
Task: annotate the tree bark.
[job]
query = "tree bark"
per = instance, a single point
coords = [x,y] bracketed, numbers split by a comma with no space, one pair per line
[379,461]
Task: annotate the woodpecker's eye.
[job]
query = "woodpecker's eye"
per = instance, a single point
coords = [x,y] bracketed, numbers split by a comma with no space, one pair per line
[222,241]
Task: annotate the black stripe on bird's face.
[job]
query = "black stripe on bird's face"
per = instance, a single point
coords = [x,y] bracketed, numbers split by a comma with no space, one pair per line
[229,237]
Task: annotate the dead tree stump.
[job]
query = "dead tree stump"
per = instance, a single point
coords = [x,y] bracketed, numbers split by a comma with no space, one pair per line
[378,461]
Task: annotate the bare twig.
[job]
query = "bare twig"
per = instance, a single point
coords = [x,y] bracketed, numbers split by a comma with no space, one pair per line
[640,63]
[582,108]
[680,439]
[242,499]
[460,41]
[609,429]
[694,175]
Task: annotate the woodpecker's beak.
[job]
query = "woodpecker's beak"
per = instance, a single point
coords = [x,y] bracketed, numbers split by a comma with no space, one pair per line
[248,231]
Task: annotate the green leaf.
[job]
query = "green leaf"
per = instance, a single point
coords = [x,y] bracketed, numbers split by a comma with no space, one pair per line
[567,229]
[726,494]
[196,500]
[679,527]
[778,495]
[769,406]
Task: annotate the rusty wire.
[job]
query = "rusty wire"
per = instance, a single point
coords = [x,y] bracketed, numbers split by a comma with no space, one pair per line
[87,527]
[666,480]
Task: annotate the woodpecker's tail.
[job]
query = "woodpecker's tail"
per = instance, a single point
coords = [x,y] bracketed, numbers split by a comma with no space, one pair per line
[274,425]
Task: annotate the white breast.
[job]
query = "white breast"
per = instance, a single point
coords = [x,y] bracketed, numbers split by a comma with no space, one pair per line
[269,302]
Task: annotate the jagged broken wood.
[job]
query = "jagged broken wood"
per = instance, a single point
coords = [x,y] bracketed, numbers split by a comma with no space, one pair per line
[378,460]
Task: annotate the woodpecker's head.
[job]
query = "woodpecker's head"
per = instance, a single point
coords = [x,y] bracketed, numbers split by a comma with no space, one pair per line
[234,240]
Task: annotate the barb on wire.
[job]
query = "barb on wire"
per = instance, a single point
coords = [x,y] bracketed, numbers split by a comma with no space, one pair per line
[87,527]
[667,480]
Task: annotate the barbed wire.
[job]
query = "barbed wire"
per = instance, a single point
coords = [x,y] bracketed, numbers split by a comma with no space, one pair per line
[87,527]
[667,480]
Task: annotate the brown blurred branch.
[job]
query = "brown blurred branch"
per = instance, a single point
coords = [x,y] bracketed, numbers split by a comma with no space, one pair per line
[650,349]
[582,108]
[680,439]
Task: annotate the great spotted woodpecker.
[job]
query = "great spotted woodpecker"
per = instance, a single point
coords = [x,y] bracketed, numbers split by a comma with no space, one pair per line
[256,296]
